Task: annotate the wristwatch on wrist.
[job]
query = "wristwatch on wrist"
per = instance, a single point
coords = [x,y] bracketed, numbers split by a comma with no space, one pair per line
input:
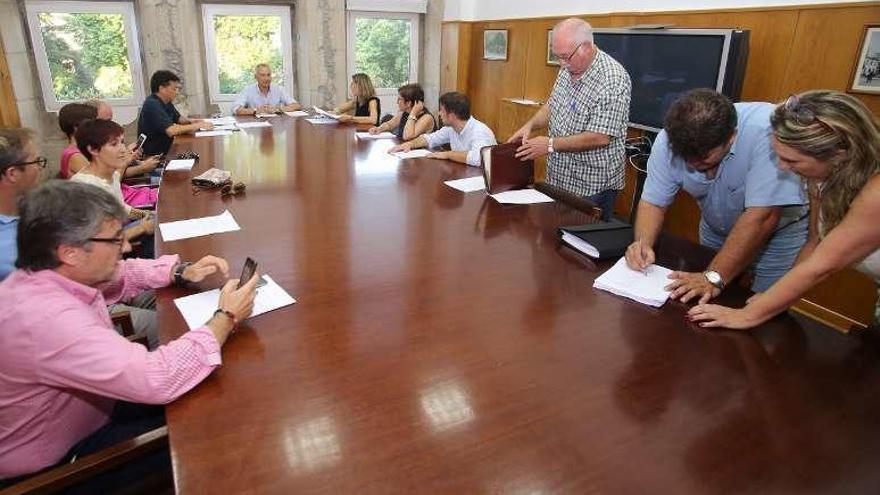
[714,278]
[550,147]
[178,273]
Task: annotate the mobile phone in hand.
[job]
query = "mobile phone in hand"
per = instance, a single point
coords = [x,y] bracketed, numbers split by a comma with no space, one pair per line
[140,142]
[250,267]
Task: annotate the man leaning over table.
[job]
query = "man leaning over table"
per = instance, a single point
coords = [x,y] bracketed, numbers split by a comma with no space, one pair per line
[65,374]
[752,212]
[159,119]
[586,117]
[262,96]
[464,134]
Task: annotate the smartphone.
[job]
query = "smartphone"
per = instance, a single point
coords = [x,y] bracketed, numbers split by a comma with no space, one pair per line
[250,267]
[140,142]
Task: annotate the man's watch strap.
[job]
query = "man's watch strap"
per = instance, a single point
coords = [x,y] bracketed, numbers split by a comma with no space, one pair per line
[178,273]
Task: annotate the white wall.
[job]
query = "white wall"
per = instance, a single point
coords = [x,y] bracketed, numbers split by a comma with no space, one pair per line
[477,10]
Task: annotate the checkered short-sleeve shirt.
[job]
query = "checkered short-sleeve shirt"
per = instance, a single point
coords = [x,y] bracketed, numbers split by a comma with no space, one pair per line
[598,102]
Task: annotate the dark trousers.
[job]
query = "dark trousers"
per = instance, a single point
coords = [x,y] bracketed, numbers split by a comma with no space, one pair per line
[605,200]
[128,421]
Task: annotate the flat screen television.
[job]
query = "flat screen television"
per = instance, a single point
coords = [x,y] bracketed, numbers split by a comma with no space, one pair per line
[664,63]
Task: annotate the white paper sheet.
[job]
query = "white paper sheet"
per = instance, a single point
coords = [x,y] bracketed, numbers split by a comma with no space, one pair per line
[222,120]
[197,227]
[297,113]
[321,120]
[180,164]
[381,135]
[225,127]
[249,125]
[265,115]
[412,154]
[326,113]
[644,287]
[522,197]
[197,309]
[212,133]
[580,244]
[469,184]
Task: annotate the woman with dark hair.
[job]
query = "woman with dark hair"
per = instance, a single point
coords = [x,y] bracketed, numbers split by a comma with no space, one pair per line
[365,105]
[413,120]
[832,141]
[102,142]
[69,118]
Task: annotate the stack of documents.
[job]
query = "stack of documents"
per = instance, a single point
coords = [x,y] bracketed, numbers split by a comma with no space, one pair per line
[469,184]
[521,197]
[644,287]
[228,120]
[321,120]
[197,309]
[381,135]
[412,154]
[197,227]
[213,133]
[297,113]
[248,125]
[326,113]
[265,115]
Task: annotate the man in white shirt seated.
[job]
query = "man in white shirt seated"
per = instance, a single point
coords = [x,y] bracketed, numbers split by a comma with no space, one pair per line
[262,97]
[464,134]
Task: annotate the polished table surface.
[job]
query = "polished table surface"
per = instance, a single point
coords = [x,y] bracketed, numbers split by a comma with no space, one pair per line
[444,343]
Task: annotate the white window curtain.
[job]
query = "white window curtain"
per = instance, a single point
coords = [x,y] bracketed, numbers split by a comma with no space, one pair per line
[408,6]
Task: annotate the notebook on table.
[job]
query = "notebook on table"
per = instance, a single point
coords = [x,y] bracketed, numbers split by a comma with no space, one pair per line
[503,171]
[600,240]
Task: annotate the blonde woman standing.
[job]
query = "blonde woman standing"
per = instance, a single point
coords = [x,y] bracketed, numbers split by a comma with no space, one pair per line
[832,141]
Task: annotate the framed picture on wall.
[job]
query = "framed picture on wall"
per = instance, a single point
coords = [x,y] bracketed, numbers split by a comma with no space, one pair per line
[495,44]
[866,72]
[551,58]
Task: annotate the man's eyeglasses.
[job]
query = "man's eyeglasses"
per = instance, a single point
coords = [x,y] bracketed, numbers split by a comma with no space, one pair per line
[41,162]
[109,240]
[567,58]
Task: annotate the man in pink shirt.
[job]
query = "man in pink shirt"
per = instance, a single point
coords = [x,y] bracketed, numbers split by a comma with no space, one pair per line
[62,365]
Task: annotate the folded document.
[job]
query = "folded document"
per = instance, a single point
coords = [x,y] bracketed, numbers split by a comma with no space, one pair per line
[646,287]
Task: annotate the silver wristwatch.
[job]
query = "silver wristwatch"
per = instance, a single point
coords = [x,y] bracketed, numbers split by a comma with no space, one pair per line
[714,278]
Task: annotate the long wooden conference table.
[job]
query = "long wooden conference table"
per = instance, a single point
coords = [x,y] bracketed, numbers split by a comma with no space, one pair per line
[444,343]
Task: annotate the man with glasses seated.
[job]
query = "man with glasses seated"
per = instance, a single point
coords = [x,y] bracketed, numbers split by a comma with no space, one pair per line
[64,371]
[587,114]
[20,171]
[752,212]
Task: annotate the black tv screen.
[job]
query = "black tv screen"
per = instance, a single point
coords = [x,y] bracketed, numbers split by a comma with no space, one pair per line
[666,63]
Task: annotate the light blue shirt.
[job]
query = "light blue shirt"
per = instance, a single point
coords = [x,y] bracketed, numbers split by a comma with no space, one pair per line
[8,246]
[251,97]
[473,136]
[748,176]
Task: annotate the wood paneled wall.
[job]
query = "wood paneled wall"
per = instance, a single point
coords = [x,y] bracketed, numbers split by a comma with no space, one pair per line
[8,108]
[791,49]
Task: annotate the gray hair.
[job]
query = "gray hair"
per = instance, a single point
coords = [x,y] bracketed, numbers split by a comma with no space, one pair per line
[260,66]
[13,142]
[57,213]
[579,29]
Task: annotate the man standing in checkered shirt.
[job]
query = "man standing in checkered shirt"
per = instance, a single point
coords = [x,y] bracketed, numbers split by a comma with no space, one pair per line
[587,114]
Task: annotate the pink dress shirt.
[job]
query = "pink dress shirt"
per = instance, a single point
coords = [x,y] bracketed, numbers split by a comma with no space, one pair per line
[63,366]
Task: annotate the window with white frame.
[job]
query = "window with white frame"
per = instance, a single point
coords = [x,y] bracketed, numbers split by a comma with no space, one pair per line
[86,50]
[385,46]
[237,38]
